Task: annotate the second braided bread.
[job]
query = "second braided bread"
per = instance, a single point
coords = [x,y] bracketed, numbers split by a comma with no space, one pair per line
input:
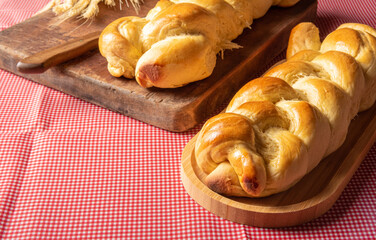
[277,128]
[177,42]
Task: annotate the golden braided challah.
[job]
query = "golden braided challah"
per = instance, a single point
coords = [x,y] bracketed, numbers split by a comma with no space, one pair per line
[177,42]
[278,127]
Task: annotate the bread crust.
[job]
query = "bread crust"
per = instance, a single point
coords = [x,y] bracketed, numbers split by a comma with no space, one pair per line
[178,41]
[297,113]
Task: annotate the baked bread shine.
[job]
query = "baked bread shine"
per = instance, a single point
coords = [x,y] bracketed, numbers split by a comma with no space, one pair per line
[178,41]
[277,128]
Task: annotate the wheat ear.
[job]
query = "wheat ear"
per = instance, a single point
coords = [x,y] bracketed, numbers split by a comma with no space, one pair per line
[84,8]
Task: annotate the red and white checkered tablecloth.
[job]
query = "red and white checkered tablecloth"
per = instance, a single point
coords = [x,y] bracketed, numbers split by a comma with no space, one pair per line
[70,169]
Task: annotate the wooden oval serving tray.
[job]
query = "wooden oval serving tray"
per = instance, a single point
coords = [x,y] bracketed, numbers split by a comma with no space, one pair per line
[307,200]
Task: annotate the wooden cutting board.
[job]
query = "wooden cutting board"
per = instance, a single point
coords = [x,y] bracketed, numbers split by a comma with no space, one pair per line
[179,109]
[308,199]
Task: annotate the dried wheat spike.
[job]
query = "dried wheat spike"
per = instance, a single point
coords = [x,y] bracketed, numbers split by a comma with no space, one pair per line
[86,9]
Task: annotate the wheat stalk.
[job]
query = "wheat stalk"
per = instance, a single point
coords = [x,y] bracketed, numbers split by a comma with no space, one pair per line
[84,8]
[63,7]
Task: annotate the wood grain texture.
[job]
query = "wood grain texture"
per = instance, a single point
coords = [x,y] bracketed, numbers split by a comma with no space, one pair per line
[308,199]
[87,78]
[41,61]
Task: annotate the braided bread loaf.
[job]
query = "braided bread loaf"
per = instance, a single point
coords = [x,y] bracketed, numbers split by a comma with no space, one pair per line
[277,128]
[177,42]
